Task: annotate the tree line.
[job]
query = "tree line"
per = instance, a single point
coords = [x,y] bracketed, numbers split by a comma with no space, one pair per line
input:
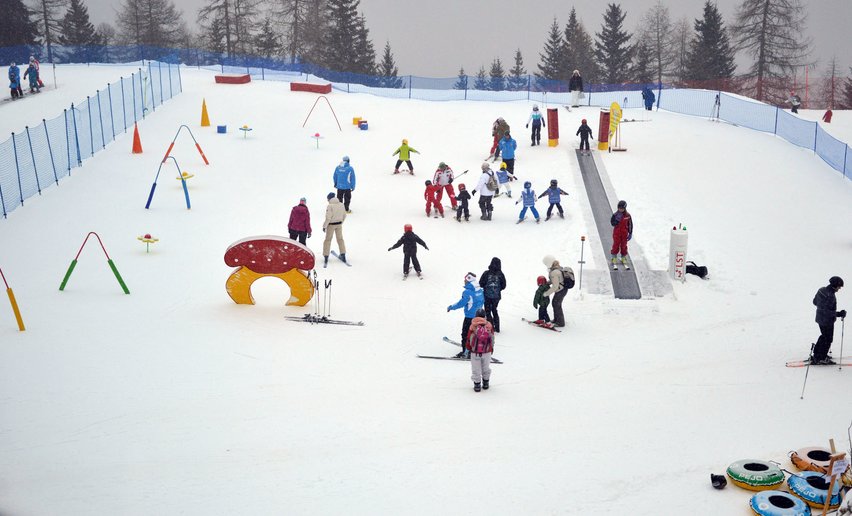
[333,34]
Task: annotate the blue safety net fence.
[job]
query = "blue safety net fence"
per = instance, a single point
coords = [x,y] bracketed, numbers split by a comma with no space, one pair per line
[37,157]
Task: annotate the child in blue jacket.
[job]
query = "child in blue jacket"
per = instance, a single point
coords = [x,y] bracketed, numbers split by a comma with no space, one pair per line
[505,178]
[472,299]
[528,197]
[553,196]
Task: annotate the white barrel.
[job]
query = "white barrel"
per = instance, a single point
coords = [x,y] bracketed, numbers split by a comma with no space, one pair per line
[677,253]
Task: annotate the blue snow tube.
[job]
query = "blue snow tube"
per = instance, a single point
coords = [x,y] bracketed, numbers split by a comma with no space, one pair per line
[778,503]
[812,487]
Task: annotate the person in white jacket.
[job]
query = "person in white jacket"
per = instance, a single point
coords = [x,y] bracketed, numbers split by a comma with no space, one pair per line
[335,214]
[485,193]
[557,289]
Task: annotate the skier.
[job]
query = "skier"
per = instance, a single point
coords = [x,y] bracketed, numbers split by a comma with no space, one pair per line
[409,241]
[471,300]
[622,231]
[505,178]
[15,82]
[538,123]
[528,197]
[575,86]
[344,181]
[404,152]
[463,198]
[333,225]
[34,62]
[498,129]
[795,102]
[540,301]
[431,196]
[585,133]
[553,194]
[487,187]
[493,282]
[557,289]
[826,314]
[32,75]
[480,346]
[300,222]
[507,147]
[649,98]
[444,179]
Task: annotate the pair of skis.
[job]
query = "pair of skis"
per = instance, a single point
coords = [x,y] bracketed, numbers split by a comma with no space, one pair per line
[842,362]
[626,266]
[546,326]
[456,343]
[334,253]
[321,319]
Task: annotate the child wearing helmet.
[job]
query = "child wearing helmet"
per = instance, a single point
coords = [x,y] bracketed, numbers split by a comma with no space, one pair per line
[432,199]
[528,197]
[409,241]
[444,180]
[15,81]
[622,231]
[463,197]
[541,301]
[553,194]
[404,152]
[505,178]
[585,133]
[538,123]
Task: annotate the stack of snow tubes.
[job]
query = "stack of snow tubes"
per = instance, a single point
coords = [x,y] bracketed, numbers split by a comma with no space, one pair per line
[817,459]
[812,487]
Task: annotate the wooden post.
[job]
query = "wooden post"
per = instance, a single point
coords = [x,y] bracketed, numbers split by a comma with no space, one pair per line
[834,458]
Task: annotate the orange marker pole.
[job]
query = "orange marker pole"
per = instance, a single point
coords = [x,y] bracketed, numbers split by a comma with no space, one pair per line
[15,309]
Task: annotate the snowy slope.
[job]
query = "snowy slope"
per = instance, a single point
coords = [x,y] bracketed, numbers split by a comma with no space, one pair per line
[175,400]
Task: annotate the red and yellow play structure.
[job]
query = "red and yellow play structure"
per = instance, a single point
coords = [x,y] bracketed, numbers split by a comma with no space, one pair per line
[263,256]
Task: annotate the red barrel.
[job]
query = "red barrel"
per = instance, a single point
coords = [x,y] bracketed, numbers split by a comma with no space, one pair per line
[603,127]
[552,124]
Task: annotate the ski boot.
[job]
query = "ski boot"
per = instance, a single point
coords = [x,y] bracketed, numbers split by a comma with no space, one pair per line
[477,387]
[538,220]
[624,262]
[561,216]
[485,384]
[343,257]
[396,171]
[614,265]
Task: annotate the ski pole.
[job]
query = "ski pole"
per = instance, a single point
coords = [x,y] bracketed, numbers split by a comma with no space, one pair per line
[581,262]
[842,331]
[329,298]
[807,369]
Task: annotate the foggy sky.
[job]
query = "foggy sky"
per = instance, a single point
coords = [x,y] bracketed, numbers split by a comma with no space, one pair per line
[434,38]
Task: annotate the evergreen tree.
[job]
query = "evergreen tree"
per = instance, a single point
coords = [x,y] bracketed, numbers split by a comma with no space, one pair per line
[770,31]
[245,20]
[568,61]
[309,47]
[267,42]
[481,80]
[364,51]
[518,79]
[681,42]
[642,69]
[76,29]
[846,102]
[214,38]
[48,14]
[612,47]
[710,55]
[829,89]
[16,28]
[461,83]
[658,35]
[215,19]
[296,16]
[550,65]
[150,23]
[388,71]
[497,76]
[581,47]
[347,45]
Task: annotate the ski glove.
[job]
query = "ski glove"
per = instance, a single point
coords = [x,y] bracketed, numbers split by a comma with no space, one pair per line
[842,314]
[309,235]
[390,248]
[473,193]
[450,181]
[629,237]
[528,126]
[449,308]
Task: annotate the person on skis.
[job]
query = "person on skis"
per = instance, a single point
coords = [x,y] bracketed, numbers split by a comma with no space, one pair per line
[575,86]
[333,226]
[505,178]
[472,299]
[480,346]
[432,200]
[554,194]
[538,123]
[344,181]
[558,289]
[31,74]
[498,129]
[622,231]
[528,197]
[487,187]
[463,199]
[404,152]
[34,62]
[493,282]
[15,81]
[585,133]
[507,148]
[444,180]
[541,301]
[409,241]
[649,98]
[826,315]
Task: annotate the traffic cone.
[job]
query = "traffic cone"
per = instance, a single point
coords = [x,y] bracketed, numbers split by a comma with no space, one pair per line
[205,120]
[137,143]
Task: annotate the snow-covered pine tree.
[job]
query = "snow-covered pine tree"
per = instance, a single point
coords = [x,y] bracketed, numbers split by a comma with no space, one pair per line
[830,87]
[578,51]
[481,80]
[16,27]
[364,50]
[518,79]
[215,20]
[612,47]
[549,67]
[78,35]
[347,47]
[462,81]
[388,72]
[711,57]
[497,76]
[770,31]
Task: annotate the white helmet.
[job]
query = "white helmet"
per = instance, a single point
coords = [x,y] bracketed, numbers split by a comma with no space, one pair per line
[485,165]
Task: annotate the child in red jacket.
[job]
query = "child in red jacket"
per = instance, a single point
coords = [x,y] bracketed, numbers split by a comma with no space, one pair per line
[622,231]
[432,199]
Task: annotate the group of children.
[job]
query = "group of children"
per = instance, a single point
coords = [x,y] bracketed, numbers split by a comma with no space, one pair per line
[31,74]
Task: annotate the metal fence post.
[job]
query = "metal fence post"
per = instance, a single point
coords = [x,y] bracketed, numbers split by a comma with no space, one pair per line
[160,73]
[2,202]
[529,84]
[32,155]
[123,105]
[151,82]
[142,94]
[18,169]
[171,92]
[91,133]
[76,137]
[409,86]
[50,150]
[111,118]
[180,81]
[100,119]
[133,91]
[775,131]
[67,137]
[816,129]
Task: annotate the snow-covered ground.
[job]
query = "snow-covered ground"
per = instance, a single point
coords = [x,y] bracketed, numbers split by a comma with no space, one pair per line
[175,400]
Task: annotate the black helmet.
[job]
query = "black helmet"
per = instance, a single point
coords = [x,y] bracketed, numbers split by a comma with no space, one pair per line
[480,312]
[835,281]
[622,204]
[553,182]
[428,182]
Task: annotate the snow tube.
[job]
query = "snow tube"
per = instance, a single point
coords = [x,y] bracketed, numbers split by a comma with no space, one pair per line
[755,475]
[812,487]
[817,459]
[778,503]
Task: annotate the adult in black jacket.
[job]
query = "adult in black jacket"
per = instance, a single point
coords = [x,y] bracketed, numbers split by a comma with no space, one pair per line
[826,314]
[493,282]
[575,86]
[409,241]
